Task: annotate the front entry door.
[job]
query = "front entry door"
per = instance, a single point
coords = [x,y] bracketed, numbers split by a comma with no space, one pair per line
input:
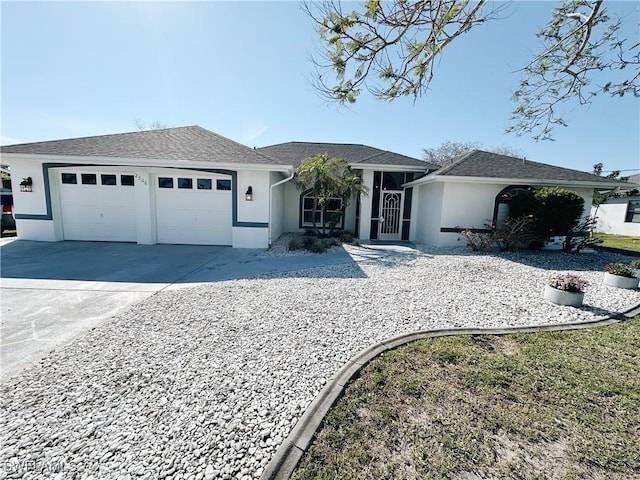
[390,215]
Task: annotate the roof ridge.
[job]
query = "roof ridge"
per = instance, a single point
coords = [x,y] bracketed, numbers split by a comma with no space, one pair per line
[377,154]
[319,143]
[88,137]
[457,160]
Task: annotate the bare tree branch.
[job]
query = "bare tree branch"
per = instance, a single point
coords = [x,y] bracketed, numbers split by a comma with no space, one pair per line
[578,43]
[390,49]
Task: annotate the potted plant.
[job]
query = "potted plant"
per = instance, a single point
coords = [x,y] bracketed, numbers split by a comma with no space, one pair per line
[635,265]
[620,275]
[565,289]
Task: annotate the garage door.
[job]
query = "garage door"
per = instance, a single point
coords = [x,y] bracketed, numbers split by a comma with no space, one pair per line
[193,209]
[98,206]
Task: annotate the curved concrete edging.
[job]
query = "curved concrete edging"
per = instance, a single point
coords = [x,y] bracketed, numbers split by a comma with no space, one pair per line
[286,458]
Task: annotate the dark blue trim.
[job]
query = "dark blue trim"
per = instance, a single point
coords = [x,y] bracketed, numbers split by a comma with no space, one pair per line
[251,224]
[232,173]
[460,229]
[47,192]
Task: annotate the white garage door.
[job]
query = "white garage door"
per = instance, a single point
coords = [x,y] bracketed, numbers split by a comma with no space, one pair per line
[193,209]
[97,206]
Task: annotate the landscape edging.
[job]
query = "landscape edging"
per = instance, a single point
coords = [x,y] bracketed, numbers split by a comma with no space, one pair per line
[289,454]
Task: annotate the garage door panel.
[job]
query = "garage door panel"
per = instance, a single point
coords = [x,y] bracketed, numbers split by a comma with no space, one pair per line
[174,235]
[98,196]
[192,216]
[98,212]
[187,201]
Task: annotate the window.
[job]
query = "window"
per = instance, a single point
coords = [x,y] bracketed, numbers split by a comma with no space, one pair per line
[126,180]
[223,184]
[69,178]
[108,179]
[186,183]
[333,212]
[633,211]
[204,184]
[165,182]
[89,179]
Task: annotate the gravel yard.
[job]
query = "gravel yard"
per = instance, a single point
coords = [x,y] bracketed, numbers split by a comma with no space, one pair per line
[206,382]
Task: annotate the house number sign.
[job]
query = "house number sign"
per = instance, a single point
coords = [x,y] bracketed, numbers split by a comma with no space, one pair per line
[141,178]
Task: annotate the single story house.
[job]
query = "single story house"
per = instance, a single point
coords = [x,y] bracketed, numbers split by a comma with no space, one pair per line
[620,215]
[188,185]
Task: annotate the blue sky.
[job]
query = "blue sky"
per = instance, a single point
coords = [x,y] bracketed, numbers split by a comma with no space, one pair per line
[242,69]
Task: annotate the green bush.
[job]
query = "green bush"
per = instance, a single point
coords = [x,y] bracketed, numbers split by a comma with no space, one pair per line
[562,210]
[318,247]
[346,237]
[331,242]
[296,243]
[556,211]
[308,240]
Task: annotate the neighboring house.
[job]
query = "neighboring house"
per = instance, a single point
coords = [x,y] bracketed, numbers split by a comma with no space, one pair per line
[188,185]
[619,215]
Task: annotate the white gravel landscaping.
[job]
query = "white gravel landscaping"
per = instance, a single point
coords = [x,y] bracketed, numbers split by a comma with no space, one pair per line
[206,382]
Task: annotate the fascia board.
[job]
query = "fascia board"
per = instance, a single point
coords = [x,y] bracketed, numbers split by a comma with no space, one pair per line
[144,162]
[515,181]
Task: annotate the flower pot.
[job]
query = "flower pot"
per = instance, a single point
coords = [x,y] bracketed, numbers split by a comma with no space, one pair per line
[620,282]
[562,297]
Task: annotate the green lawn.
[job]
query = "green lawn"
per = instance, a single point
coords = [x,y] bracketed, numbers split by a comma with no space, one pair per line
[620,242]
[562,405]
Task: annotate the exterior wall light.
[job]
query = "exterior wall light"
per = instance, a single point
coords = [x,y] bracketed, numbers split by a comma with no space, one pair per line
[248,196]
[26,185]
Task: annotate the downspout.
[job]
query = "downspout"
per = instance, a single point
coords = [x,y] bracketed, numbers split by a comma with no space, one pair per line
[270,201]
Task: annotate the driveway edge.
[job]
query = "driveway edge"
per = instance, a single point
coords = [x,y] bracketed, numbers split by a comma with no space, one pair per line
[288,455]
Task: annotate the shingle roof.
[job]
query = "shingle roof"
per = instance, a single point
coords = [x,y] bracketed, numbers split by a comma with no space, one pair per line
[478,163]
[180,144]
[634,178]
[292,153]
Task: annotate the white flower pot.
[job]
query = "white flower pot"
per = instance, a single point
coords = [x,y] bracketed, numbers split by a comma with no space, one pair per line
[562,297]
[620,282]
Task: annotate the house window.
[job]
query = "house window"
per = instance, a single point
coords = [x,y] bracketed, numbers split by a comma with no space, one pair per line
[223,184]
[332,214]
[204,184]
[165,182]
[108,179]
[633,211]
[69,178]
[89,179]
[186,183]
[126,180]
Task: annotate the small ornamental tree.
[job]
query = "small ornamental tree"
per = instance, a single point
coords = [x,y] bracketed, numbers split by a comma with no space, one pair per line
[329,178]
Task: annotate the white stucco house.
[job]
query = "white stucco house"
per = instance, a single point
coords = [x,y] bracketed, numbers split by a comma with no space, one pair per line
[188,185]
[619,216]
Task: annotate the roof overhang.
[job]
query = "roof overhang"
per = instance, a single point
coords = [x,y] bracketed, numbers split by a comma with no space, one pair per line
[145,162]
[517,181]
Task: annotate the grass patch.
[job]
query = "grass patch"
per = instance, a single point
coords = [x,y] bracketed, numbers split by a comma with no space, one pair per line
[619,242]
[562,405]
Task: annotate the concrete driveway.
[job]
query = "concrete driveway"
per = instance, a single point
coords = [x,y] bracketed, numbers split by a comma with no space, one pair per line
[53,292]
